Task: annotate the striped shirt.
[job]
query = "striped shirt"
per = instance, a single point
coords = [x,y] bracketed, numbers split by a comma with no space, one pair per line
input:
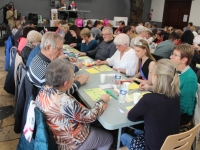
[37,69]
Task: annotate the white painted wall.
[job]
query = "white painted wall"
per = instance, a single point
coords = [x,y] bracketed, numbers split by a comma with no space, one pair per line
[194,13]
[158,9]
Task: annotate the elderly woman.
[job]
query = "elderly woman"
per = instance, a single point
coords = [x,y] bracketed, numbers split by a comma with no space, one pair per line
[11,15]
[88,43]
[33,39]
[160,109]
[146,62]
[124,59]
[67,118]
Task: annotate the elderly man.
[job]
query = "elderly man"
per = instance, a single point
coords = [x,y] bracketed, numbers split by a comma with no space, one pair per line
[51,48]
[105,49]
[67,118]
[182,57]
[141,34]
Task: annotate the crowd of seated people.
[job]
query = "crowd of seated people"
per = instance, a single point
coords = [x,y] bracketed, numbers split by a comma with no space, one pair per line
[129,52]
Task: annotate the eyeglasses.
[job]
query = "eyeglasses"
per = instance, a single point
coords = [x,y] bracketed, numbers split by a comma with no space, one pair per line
[172,54]
[59,48]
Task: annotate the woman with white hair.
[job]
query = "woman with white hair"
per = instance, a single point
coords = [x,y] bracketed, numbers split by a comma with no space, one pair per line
[33,39]
[160,109]
[124,59]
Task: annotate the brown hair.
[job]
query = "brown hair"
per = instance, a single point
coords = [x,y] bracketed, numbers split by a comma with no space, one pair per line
[85,32]
[186,51]
[62,22]
[145,45]
[179,32]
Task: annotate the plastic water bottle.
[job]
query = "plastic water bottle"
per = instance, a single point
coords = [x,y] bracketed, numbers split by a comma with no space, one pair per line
[117,79]
[122,94]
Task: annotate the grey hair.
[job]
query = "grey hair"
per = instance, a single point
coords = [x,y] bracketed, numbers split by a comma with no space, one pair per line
[109,29]
[50,38]
[34,36]
[122,39]
[58,72]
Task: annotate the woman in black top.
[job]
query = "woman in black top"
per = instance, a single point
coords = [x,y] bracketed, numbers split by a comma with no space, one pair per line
[146,62]
[160,109]
[75,32]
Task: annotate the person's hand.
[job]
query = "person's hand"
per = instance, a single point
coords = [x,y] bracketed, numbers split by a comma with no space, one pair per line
[82,78]
[196,47]
[63,56]
[144,86]
[105,97]
[79,65]
[72,45]
[72,59]
[81,54]
[15,10]
[83,41]
[98,62]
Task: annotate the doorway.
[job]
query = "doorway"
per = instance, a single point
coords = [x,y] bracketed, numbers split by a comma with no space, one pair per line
[176,13]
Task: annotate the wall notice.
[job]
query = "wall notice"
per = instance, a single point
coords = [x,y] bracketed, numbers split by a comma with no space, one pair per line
[185,17]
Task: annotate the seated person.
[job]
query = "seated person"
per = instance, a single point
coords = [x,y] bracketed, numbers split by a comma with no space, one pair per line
[72,6]
[147,25]
[68,119]
[126,30]
[51,48]
[124,59]
[119,29]
[160,109]
[16,27]
[179,32]
[32,54]
[146,62]
[105,49]
[149,36]
[96,29]
[165,48]
[19,33]
[159,37]
[66,34]
[88,43]
[133,30]
[23,39]
[141,34]
[75,32]
[166,33]
[89,24]
[63,14]
[182,57]
[33,39]
[60,23]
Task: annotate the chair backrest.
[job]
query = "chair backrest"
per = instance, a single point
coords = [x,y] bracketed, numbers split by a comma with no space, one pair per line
[157,57]
[182,141]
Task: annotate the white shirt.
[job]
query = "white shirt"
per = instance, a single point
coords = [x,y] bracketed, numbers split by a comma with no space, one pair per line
[128,61]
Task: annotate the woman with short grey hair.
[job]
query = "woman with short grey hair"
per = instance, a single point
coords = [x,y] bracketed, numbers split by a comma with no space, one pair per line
[124,59]
[67,118]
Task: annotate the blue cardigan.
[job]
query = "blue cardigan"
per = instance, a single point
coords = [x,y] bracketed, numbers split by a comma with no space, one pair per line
[84,48]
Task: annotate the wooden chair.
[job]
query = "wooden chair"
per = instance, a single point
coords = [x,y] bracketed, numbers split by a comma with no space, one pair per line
[182,141]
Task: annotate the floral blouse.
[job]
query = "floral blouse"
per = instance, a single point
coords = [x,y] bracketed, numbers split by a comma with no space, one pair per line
[67,118]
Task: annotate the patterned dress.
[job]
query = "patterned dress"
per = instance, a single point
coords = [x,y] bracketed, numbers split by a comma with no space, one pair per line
[67,118]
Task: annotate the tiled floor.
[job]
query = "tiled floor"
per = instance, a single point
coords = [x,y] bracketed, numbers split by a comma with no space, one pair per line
[8,139]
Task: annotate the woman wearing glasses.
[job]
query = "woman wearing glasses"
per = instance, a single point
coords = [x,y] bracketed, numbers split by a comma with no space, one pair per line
[160,109]
[146,62]
[124,59]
